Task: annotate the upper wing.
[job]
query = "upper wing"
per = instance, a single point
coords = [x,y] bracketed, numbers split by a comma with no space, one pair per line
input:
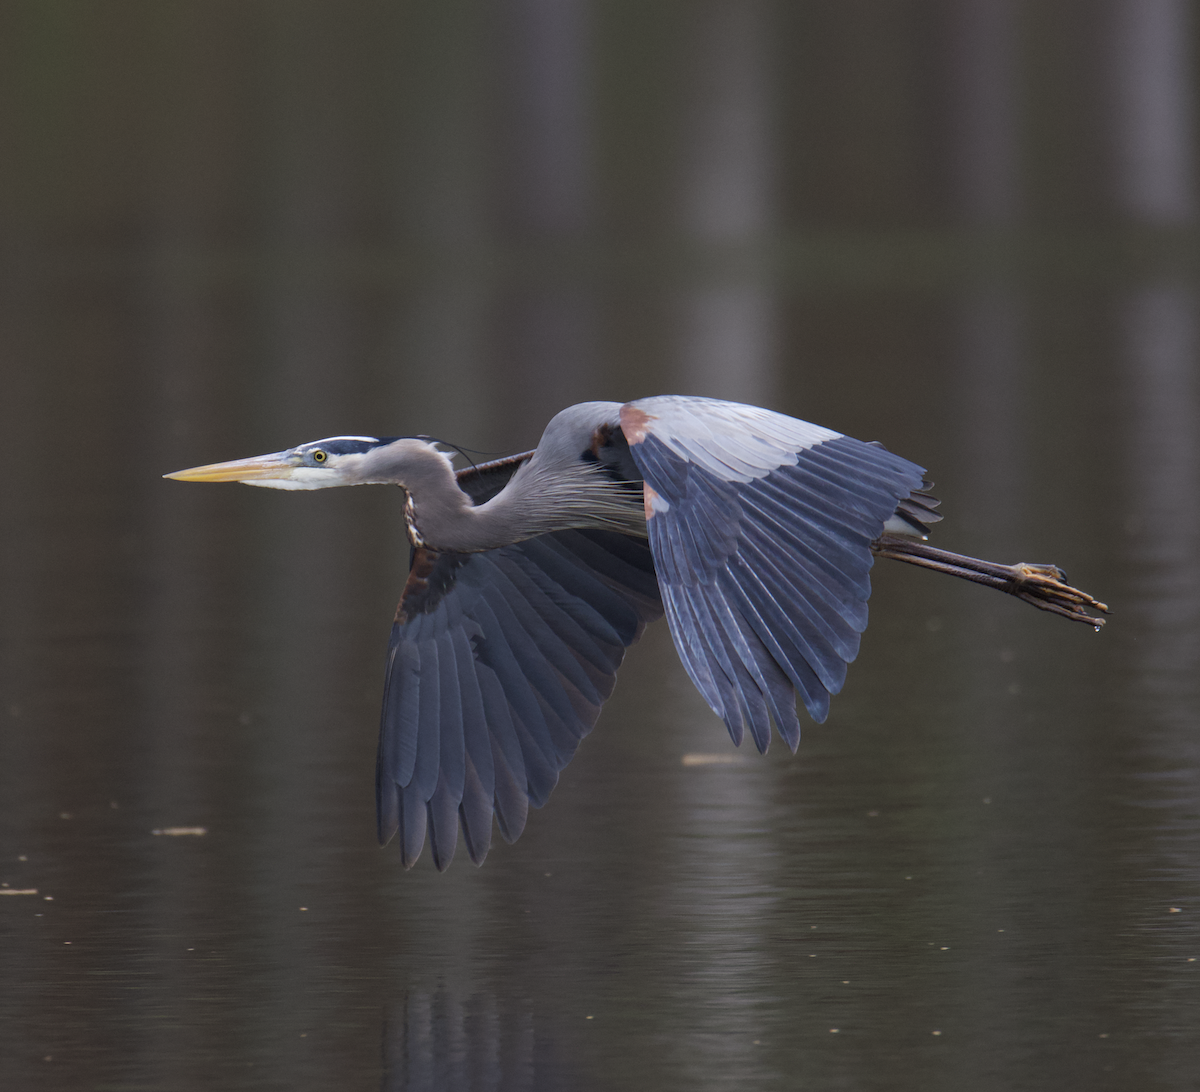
[484,480]
[761,528]
[498,665]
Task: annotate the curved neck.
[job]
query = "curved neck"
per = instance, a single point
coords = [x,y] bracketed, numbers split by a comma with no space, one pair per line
[538,499]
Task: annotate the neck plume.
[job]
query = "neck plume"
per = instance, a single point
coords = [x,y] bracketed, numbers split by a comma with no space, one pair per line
[538,499]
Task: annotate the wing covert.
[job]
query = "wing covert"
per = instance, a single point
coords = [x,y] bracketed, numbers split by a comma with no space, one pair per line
[761,527]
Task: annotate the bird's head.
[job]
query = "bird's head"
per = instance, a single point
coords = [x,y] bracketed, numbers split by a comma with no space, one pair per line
[322,464]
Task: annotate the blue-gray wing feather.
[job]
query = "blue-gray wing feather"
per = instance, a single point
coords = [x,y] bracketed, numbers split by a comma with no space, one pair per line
[498,665]
[761,529]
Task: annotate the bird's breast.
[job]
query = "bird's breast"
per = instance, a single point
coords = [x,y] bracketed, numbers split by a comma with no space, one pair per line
[410,522]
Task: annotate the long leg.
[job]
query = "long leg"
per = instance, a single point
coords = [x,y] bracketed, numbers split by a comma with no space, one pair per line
[1044,586]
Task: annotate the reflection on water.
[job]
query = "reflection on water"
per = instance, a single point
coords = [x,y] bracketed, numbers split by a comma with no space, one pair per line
[438,1040]
[968,232]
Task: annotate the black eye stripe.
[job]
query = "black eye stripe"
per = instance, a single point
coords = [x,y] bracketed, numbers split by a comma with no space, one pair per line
[346,445]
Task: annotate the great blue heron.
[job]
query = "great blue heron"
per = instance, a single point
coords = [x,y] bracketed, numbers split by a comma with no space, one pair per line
[529,577]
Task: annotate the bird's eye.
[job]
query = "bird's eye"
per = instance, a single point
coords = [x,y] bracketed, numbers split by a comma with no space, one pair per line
[319,456]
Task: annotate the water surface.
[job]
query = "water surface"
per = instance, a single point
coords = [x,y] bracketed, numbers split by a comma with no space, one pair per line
[230,230]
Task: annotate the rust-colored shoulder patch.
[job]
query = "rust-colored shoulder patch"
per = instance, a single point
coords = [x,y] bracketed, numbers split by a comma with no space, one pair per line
[430,578]
[652,502]
[423,563]
[635,423]
[601,438]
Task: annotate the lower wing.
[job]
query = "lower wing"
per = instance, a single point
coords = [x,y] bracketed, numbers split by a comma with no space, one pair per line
[498,664]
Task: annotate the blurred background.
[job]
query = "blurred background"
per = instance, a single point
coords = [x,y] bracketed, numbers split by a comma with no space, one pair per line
[966,228]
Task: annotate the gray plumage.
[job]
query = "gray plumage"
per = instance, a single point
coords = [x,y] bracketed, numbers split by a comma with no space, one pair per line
[752,531]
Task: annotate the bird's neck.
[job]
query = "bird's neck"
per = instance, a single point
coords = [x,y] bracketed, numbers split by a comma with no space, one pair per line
[535,502]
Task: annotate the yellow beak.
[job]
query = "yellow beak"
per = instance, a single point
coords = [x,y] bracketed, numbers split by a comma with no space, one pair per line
[260,468]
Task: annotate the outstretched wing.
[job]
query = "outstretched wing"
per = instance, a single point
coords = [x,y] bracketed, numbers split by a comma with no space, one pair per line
[761,528]
[498,665]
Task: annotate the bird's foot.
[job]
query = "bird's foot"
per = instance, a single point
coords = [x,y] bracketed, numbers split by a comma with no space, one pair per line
[1046,587]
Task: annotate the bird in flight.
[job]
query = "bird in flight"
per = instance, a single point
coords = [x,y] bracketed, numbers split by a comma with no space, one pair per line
[753,532]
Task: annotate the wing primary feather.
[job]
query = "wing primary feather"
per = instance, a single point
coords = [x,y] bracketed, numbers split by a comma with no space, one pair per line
[610,608]
[758,675]
[835,567]
[387,804]
[398,743]
[798,664]
[498,664]
[412,826]
[556,678]
[838,507]
[777,690]
[724,675]
[796,617]
[691,648]
[783,707]
[713,522]
[540,768]
[836,622]
[533,643]
[880,463]
[689,552]
[512,800]
[825,617]
[502,733]
[791,504]
[425,769]
[443,825]
[749,685]
[708,523]
[581,595]
[863,488]
[451,730]
[621,560]
[846,488]
[499,655]
[508,761]
[475,811]
[477,744]
[550,629]
[675,576]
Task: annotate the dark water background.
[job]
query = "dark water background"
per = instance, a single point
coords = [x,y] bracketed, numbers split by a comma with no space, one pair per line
[966,229]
